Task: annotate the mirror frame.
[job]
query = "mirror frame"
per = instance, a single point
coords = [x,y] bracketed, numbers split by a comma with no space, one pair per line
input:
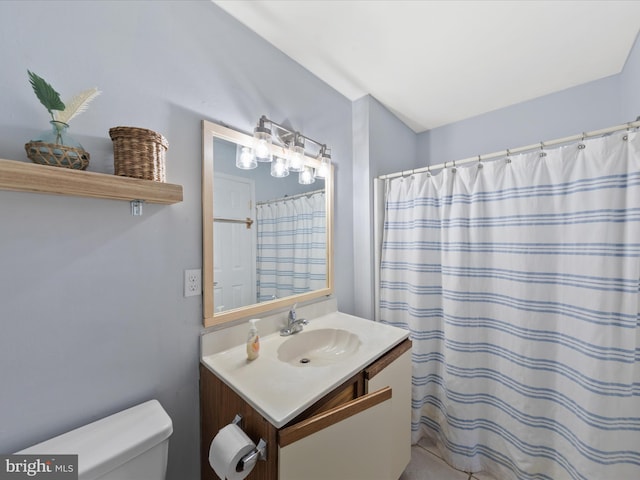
[210,131]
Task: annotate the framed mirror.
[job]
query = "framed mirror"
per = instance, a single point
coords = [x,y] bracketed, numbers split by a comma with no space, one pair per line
[267,241]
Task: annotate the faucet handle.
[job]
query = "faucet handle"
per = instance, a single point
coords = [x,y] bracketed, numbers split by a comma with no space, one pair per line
[292,312]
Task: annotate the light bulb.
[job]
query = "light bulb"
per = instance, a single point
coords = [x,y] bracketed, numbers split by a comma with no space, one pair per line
[296,159]
[305,177]
[322,170]
[246,160]
[279,167]
[296,155]
[262,143]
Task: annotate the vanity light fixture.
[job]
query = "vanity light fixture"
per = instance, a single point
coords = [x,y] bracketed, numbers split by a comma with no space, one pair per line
[305,177]
[268,133]
[279,167]
[325,160]
[246,160]
[296,154]
[262,140]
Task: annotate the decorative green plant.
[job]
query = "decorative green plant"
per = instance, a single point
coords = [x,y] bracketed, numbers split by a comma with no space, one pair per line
[50,98]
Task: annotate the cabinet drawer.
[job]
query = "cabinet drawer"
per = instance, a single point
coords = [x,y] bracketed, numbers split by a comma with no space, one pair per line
[387,359]
[348,441]
[349,390]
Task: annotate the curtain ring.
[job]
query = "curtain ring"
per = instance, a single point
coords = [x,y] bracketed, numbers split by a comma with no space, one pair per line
[508,159]
[428,170]
[581,145]
[454,169]
[626,136]
[542,152]
[480,162]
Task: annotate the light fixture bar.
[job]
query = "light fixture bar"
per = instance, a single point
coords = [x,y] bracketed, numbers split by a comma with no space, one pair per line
[293,157]
[291,133]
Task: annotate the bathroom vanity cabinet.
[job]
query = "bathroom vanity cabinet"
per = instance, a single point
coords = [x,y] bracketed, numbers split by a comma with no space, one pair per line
[361,429]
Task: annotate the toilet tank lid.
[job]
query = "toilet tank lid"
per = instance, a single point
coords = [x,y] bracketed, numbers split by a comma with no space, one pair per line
[107,443]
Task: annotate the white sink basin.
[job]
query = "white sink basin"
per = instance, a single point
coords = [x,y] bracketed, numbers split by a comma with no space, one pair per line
[278,386]
[318,347]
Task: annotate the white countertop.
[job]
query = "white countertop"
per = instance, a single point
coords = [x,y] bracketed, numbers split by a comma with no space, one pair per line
[279,390]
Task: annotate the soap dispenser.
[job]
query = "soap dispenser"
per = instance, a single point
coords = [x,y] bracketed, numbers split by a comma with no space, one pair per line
[253,341]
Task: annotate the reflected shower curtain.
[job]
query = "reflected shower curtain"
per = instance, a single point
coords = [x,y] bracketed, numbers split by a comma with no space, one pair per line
[291,248]
[518,280]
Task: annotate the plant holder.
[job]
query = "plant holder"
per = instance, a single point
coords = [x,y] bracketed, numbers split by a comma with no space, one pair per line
[56,155]
[139,153]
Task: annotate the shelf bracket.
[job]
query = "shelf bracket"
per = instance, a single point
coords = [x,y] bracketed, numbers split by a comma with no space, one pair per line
[136,207]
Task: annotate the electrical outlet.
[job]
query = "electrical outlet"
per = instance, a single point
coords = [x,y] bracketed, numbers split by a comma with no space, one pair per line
[192,282]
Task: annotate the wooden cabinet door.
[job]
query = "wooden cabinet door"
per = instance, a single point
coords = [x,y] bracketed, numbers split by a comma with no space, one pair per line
[218,407]
[348,441]
[394,370]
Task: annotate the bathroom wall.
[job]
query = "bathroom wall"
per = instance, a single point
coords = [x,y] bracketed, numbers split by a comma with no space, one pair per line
[380,140]
[93,318]
[629,81]
[592,106]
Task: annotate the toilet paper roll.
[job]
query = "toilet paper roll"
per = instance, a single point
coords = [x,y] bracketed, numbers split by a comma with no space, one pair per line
[226,450]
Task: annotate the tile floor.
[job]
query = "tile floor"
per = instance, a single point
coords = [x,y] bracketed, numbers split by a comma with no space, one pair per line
[427,465]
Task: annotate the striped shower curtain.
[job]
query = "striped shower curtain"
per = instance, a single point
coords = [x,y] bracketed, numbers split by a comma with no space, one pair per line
[518,281]
[291,247]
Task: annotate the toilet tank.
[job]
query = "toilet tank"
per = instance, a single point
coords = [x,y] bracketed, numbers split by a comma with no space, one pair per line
[131,444]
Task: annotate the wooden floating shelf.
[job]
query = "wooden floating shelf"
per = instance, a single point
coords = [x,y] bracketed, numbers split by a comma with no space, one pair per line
[30,177]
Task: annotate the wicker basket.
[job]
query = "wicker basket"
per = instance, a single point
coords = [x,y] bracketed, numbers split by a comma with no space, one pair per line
[56,155]
[139,153]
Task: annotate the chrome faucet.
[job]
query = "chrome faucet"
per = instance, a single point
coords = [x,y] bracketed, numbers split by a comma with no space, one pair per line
[294,325]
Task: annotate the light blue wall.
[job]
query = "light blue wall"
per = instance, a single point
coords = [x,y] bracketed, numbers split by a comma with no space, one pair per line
[603,103]
[380,141]
[630,84]
[92,312]
[391,141]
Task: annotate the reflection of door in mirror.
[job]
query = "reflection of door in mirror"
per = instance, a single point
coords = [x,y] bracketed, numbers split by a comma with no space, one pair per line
[235,240]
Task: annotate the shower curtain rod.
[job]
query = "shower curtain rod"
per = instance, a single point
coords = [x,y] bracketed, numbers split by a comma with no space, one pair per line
[291,197]
[509,152]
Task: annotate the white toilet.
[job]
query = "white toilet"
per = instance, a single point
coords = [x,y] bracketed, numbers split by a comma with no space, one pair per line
[131,444]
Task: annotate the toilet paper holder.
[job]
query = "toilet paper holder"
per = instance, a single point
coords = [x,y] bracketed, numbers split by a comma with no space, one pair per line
[258,453]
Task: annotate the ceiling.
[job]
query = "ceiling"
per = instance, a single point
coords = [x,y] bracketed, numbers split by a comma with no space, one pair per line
[432,62]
